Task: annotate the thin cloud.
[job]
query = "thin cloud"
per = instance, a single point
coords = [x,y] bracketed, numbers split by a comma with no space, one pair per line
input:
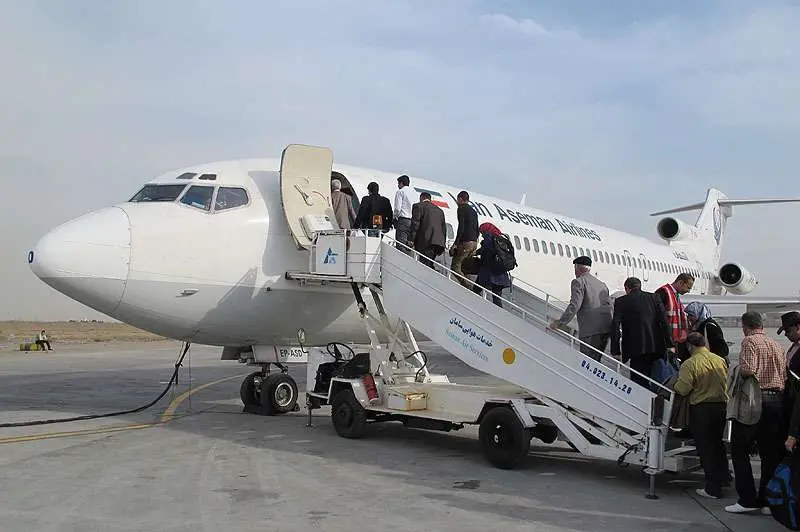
[606,122]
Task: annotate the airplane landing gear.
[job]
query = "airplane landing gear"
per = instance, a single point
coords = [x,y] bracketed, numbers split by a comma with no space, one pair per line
[269,394]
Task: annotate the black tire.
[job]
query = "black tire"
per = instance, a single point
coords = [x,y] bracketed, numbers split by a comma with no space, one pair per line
[249,394]
[278,394]
[504,440]
[348,416]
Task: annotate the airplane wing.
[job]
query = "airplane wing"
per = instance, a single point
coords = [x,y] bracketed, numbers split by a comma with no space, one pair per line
[765,305]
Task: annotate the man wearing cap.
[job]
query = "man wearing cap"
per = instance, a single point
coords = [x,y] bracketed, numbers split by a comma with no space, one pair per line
[591,303]
[763,357]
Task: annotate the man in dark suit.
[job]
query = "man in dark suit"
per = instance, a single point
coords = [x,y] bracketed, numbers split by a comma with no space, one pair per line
[640,318]
[428,230]
[375,211]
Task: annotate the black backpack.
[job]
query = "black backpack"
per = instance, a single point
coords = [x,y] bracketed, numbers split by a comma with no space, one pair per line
[504,253]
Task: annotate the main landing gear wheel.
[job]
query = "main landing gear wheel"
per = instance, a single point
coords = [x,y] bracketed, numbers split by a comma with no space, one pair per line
[250,391]
[348,416]
[269,395]
[504,440]
[278,394]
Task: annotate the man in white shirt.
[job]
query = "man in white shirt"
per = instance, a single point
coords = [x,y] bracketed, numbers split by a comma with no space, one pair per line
[402,210]
[42,341]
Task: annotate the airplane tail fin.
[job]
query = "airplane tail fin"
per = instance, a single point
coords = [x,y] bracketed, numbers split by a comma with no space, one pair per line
[714,214]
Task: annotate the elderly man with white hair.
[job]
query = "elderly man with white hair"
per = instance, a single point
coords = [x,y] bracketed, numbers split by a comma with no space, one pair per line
[342,205]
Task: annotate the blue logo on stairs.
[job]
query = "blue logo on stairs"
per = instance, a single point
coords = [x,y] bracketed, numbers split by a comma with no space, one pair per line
[330,257]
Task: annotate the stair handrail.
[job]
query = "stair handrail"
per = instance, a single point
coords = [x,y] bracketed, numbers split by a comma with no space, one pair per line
[610,362]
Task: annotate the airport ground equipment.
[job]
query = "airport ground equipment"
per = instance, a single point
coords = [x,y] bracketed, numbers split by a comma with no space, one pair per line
[553,391]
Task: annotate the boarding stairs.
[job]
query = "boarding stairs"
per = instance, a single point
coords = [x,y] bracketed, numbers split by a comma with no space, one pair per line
[594,404]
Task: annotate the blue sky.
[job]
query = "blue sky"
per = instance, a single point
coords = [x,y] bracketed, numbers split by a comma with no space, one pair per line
[605,111]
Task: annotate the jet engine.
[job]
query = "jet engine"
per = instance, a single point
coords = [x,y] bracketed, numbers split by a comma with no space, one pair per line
[736,279]
[674,230]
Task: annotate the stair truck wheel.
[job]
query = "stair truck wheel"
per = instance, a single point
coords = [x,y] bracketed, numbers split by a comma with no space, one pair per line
[250,396]
[278,394]
[504,440]
[348,416]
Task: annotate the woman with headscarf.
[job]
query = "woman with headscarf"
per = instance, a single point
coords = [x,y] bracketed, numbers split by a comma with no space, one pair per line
[489,275]
[700,320]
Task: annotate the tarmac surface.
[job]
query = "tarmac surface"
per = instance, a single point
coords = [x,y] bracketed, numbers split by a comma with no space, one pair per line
[195,461]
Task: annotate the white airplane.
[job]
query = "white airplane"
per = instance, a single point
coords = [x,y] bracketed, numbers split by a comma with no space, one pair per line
[200,253]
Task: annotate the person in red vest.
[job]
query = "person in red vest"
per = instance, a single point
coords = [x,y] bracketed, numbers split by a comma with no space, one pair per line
[670,295]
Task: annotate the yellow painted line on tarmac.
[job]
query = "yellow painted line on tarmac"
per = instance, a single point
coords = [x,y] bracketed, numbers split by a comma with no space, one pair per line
[51,435]
[169,413]
[166,417]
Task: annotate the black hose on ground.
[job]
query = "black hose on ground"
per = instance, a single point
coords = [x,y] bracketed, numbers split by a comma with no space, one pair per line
[172,381]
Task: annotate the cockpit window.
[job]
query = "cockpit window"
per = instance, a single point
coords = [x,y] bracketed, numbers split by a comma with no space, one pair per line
[229,198]
[186,175]
[158,193]
[199,197]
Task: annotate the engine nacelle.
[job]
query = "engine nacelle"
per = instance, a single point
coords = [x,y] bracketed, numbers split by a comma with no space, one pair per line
[736,279]
[674,230]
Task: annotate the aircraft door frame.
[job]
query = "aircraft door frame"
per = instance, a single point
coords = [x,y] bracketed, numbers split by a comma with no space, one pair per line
[645,271]
[630,264]
[305,182]
[702,281]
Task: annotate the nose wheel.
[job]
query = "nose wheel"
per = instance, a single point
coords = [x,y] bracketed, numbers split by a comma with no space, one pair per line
[269,394]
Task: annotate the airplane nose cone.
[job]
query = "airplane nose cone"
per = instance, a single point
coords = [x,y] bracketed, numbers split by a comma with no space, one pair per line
[87,258]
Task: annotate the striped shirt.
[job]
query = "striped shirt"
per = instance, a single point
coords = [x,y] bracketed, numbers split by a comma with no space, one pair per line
[764,357]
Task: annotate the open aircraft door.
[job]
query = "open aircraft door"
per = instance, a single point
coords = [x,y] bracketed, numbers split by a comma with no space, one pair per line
[306,191]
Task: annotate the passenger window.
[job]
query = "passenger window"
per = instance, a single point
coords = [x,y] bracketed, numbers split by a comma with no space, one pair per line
[229,198]
[560,250]
[569,252]
[544,247]
[199,197]
[552,248]
[536,245]
[527,244]
[450,233]
[594,254]
[516,242]
[575,251]
[606,254]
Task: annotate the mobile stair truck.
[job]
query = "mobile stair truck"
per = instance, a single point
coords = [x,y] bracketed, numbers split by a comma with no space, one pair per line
[554,393]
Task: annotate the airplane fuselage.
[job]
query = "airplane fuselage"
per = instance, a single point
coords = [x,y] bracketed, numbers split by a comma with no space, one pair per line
[188,266]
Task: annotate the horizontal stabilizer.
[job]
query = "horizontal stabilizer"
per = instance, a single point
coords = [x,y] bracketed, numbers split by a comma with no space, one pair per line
[765,305]
[728,203]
